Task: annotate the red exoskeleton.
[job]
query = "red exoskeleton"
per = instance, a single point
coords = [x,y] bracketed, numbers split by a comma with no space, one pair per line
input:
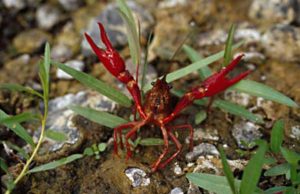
[156,108]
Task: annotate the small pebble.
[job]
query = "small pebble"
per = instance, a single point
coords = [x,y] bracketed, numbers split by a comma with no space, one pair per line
[47,16]
[246,133]
[75,64]
[176,190]
[137,176]
[200,150]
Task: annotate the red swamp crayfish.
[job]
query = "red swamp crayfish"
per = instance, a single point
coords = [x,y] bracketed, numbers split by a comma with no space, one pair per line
[156,108]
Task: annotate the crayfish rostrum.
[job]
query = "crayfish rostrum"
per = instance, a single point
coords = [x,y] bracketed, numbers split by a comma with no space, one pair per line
[157,108]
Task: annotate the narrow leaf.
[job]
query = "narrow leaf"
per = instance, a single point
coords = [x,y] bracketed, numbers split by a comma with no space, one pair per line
[151,141]
[23,117]
[200,117]
[193,67]
[3,165]
[55,135]
[100,117]
[56,163]
[193,55]
[132,31]
[47,60]
[278,170]
[227,107]
[276,190]
[212,183]
[95,84]
[21,151]
[227,171]
[133,39]
[228,47]
[20,88]
[261,90]
[17,129]
[253,170]
[290,156]
[237,110]
[277,136]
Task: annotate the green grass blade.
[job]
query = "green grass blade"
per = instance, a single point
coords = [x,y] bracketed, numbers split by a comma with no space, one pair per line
[21,151]
[194,56]
[213,183]
[47,61]
[23,117]
[277,135]
[55,135]
[3,165]
[227,171]
[17,129]
[280,169]
[96,85]
[151,141]
[133,39]
[227,107]
[132,31]
[126,10]
[20,88]
[56,163]
[200,117]
[44,72]
[290,156]
[193,67]
[145,63]
[261,90]
[237,110]
[100,117]
[228,47]
[278,189]
[253,170]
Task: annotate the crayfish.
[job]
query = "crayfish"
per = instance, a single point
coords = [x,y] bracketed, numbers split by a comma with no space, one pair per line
[157,105]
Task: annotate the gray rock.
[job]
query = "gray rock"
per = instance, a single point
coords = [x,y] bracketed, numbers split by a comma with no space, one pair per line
[200,150]
[176,190]
[61,52]
[47,16]
[115,26]
[15,4]
[273,11]
[137,176]
[60,119]
[295,132]
[171,3]
[70,5]
[246,133]
[282,42]
[31,40]
[75,64]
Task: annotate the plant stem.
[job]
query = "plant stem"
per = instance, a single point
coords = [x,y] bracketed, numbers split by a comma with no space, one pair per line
[28,162]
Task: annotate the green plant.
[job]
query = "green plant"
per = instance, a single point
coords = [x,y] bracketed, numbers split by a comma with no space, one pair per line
[227,184]
[13,121]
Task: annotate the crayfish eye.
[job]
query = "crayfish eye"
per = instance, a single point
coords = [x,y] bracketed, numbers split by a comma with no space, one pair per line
[152,83]
[170,86]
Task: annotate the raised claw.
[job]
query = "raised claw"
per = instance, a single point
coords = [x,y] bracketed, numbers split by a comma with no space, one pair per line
[109,57]
[218,82]
[213,85]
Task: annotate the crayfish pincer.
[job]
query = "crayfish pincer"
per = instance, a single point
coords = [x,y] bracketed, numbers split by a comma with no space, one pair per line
[157,109]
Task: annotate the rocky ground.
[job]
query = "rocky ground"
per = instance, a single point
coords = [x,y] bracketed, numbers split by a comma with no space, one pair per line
[270,30]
